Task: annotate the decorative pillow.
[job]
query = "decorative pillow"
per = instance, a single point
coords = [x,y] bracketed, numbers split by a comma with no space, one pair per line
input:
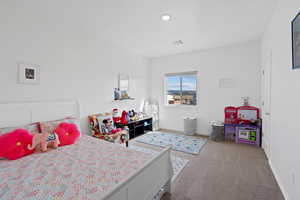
[67,133]
[31,128]
[50,126]
[13,145]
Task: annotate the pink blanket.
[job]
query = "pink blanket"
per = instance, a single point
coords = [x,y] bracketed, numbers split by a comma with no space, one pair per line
[86,170]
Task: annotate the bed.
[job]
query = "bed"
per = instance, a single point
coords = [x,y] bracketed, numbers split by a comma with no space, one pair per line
[90,169]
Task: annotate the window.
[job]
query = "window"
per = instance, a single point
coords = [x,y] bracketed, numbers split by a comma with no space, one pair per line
[181,88]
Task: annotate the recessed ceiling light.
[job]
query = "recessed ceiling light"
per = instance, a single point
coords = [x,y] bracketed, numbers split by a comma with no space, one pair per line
[166,17]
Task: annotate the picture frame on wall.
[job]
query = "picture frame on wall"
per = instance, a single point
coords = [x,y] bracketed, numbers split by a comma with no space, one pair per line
[296,41]
[28,73]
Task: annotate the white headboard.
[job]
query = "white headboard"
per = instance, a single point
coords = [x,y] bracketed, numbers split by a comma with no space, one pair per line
[20,113]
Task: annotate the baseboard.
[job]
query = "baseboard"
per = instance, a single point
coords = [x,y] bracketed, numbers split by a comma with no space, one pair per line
[279,182]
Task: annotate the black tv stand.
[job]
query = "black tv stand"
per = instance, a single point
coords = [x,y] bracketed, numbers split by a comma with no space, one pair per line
[137,128]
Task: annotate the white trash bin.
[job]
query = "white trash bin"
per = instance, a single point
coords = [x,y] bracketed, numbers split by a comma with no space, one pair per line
[190,125]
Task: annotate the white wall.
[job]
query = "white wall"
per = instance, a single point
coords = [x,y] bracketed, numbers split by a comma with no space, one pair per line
[285,99]
[75,63]
[238,62]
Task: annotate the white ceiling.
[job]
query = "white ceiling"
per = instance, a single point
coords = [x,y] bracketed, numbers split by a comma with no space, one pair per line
[136,24]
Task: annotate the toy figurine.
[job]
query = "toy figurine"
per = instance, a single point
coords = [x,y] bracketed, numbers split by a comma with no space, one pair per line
[124,135]
[117,95]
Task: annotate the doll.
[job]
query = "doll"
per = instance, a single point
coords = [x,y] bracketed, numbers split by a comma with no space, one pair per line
[94,125]
[108,128]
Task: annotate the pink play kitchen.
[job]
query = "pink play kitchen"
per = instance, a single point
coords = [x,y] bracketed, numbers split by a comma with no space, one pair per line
[243,125]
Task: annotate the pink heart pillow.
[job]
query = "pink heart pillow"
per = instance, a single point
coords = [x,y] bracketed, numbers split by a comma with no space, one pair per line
[67,133]
[13,145]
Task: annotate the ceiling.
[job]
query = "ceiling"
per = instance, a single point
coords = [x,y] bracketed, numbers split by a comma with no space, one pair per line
[136,25]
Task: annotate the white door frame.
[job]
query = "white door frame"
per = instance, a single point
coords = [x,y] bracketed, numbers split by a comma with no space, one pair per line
[266,86]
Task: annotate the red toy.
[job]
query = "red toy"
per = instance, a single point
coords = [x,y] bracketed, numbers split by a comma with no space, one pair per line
[67,133]
[13,145]
[123,118]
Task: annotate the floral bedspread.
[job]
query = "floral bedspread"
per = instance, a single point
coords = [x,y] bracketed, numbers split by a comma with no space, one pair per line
[84,171]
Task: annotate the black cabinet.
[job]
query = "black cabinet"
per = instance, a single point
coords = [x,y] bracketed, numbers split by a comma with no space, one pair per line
[137,128]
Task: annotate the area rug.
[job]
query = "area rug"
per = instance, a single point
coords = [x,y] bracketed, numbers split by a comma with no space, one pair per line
[187,144]
[178,163]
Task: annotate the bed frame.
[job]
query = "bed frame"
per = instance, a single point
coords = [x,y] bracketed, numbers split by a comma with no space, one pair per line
[143,185]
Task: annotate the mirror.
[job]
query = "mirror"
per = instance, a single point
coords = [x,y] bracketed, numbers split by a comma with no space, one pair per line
[123,82]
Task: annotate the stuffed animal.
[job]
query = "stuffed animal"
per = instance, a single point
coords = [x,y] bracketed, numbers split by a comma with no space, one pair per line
[67,133]
[44,140]
[123,118]
[13,145]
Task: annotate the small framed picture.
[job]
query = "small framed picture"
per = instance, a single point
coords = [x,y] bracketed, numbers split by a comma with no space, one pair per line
[29,73]
[296,41]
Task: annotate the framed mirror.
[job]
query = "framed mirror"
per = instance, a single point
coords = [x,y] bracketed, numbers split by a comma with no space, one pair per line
[123,82]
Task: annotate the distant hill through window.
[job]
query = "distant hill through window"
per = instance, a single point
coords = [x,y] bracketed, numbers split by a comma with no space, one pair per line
[181,89]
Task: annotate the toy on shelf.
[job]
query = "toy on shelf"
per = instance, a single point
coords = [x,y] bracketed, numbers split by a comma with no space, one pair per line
[124,119]
[132,115]
[246,101]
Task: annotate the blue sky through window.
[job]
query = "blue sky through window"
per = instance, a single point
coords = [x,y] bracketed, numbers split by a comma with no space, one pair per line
[189,83]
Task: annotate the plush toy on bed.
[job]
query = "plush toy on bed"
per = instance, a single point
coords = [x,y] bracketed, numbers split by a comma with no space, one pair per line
[13,145]
[68,133]
[47,138]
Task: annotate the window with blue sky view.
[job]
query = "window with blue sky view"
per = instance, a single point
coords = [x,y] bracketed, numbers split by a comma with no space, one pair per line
[181,89]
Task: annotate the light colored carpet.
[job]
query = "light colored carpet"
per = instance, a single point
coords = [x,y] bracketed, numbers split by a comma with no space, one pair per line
[187,144]
[226,171]
[223,171]
[178,163]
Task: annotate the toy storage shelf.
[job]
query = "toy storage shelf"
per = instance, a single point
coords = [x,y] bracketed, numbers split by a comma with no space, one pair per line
[137,128]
